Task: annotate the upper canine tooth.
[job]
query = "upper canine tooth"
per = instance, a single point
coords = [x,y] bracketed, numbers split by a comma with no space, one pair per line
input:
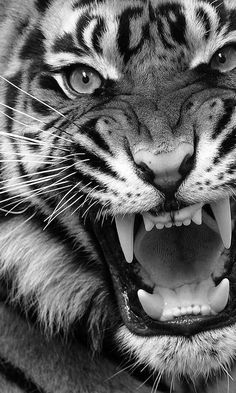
[152,304]
[219,296]
[125,230]
[149,225]
[222,213]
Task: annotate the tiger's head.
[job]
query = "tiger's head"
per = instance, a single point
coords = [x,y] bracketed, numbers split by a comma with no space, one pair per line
[119,130]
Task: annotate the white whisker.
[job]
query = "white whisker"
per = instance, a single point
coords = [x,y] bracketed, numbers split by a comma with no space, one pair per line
[68,200]
[22,113]
[36,173]
[30,95]
[30,126]
[31,161]
[35,183]
[51,217]
[36,194]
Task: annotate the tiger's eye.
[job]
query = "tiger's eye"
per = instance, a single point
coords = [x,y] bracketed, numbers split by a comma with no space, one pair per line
[84,80]
[224,60]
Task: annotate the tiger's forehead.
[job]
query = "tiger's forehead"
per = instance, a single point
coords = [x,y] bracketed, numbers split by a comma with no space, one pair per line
[109,34]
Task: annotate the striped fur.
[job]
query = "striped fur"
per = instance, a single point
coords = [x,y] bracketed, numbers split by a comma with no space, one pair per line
[64,155]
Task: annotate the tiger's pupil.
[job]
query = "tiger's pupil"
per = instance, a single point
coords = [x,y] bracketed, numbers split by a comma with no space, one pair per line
[222,58]
[85,78]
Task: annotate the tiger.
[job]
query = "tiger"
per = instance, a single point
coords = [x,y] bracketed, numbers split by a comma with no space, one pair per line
[118,177]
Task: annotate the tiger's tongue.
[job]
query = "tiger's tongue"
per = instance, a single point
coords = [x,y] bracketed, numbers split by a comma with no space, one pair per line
[175,257]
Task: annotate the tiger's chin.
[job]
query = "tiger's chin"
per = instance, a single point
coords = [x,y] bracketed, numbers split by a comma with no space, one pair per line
[208,355]
[176,293]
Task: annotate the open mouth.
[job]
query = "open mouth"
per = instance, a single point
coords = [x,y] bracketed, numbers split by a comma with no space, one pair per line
[173,273]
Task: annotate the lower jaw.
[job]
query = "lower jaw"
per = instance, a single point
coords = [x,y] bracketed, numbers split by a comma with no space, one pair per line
[126,284]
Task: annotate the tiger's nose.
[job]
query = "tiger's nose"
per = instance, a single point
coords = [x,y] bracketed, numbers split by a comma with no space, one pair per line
[166,170]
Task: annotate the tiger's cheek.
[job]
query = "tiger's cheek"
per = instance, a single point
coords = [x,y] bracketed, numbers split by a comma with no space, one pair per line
[215,117]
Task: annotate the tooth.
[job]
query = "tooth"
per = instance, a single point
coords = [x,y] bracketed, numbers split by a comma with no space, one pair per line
[222,215]
[152,304]
[189,310]
[197,218]
[148,223]
[125,230]
[169,225]
[196,310]
[183,310]
[160,226]
[205,310]
[178,224]
[176,312]
[168,315]
[218,296]
[187,222]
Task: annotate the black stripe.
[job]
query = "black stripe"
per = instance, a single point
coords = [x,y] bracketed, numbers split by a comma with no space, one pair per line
[221,11]
[178,27]
[202,16]
[22,25]
[84,3]
[152,14]
[227,146]
[39,107]
[89,129]
[47,82]
[12,94]
[232,21]
[229,106]
[66,44]
[34,45]
[86,178]
[161,31]
[17,376]
[95,162]
[124,32]
[42,5]
[97,35]
[82,24]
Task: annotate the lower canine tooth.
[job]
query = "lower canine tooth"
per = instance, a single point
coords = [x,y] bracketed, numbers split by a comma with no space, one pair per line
[219,296]
[152,304]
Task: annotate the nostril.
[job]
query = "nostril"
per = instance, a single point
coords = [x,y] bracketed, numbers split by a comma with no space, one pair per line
[186,165]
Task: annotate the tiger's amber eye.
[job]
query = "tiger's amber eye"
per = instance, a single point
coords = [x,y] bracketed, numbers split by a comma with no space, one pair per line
[224,60]
[84,80]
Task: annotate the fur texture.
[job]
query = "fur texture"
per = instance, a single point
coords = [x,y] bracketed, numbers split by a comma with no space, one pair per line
[64,155]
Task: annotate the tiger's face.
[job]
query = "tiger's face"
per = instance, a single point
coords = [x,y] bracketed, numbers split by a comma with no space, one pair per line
[124,128]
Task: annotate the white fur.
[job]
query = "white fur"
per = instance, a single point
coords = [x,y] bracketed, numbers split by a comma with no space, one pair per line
[176,357]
